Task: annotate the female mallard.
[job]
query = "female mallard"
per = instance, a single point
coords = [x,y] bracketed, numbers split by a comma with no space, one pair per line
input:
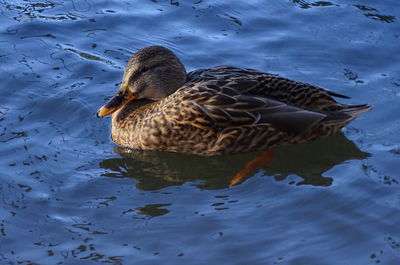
[221,110]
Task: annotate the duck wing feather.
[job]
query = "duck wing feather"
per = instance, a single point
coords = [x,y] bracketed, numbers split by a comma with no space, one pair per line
[253,82]
[213,105]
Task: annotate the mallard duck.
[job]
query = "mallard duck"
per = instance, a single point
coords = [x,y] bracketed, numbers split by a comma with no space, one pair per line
[219,110]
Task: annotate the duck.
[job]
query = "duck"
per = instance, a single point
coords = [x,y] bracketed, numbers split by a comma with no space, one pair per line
[217,111]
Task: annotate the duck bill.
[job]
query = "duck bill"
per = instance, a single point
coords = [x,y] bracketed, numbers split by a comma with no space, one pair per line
[116,102]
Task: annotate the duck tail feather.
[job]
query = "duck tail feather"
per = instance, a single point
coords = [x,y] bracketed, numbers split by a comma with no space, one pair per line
[355,111]
[333,94]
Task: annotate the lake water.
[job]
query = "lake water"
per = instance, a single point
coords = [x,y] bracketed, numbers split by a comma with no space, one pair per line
[67,195]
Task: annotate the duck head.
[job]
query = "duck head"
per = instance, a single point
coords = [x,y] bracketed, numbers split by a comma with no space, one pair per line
[152,73]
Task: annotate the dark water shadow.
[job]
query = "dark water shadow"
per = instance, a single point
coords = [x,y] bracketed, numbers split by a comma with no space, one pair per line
[369,12]
[157,170]
[373,13]
[310,161]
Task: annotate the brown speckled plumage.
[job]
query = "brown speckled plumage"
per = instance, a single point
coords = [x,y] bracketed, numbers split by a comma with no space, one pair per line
[221,110]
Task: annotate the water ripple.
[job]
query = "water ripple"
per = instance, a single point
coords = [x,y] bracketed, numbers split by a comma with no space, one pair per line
[66,196]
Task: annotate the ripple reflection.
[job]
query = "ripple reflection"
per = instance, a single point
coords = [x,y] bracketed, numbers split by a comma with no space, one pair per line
[157,170]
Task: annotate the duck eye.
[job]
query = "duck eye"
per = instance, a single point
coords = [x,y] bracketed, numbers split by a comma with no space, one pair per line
[136,75]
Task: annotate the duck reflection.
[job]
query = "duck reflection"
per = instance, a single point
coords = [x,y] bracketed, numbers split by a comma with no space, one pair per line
[157,170]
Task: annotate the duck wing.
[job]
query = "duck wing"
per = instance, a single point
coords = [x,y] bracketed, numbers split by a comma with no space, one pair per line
[211,105]
[253,82]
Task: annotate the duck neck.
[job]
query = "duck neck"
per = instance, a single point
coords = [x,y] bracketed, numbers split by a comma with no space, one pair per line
[126,121]
[131,112]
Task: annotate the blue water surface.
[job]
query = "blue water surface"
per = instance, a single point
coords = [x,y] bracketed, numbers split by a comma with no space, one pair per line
[69,196]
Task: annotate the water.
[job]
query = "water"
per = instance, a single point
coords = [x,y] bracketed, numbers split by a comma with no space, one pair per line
[67,196]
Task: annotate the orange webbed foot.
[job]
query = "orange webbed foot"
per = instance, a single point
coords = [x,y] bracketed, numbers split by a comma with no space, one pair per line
[260,161]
